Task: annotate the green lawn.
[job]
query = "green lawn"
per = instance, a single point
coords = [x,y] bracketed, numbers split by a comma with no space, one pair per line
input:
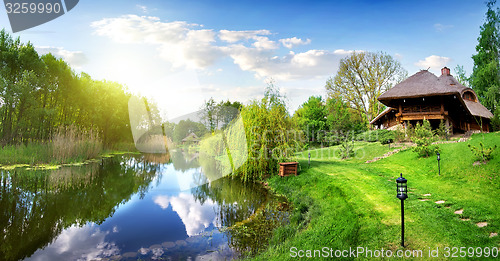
[348,203]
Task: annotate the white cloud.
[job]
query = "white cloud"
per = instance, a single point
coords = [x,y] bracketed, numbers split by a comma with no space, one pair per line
[264,43]
[433,62]
[78,243]
[235,36]
[187,45]
[75,58]
[442,27]
[162,201]
[177,41]
[143,8]
[310,64]
[294,41]
[195,216]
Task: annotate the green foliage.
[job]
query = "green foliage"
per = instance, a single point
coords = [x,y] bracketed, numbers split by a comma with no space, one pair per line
[382,135]
[185,127]
[482,153]
[311,118]
[362,77]
[442,130]
[424,137]
[323,122]
[347,146]
[40,93]
[218,115]
[340,117]
[461,75]
[495,121]
[270,133]
[485,78]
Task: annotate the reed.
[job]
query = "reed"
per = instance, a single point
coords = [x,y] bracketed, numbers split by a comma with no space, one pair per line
[69,144]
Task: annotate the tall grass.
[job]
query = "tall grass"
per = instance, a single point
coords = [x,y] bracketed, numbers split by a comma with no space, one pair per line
[31,153]
[69,143]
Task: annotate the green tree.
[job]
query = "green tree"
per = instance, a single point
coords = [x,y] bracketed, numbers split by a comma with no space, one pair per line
[362,77]
[340,117]
[209,114]
[270,133]
[461,75]
[423,138]
[39,94]
[485,78]
[185,127]
[311,117]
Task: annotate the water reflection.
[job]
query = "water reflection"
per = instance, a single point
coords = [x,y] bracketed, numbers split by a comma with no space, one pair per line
[127,207]
[36,206]
[196,216]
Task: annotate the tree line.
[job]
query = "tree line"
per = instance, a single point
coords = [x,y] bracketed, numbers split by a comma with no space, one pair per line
[41,93]
[485,77]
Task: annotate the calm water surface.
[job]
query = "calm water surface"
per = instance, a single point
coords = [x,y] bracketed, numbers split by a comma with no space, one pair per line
[132,207]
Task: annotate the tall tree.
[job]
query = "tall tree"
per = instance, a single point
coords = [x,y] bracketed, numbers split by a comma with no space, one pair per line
[362,77]
[311,117]
[485,78]
[342,118]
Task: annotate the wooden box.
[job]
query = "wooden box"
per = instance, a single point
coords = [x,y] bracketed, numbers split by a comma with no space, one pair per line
[288,168]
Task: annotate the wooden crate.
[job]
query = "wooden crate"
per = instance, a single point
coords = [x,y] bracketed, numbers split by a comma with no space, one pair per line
[288,168]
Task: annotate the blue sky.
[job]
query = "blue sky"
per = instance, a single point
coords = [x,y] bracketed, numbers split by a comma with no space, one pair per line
[183,52]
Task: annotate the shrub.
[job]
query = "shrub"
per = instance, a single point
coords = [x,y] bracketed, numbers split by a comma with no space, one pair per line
[482,153]
[347,147]
[375,135]
[424,137]
[387,138]
[442,130]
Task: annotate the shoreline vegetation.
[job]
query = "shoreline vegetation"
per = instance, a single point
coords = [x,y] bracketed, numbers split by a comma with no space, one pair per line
[69,146]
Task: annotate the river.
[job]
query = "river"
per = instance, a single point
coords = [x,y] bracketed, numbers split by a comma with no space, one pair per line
[131,207]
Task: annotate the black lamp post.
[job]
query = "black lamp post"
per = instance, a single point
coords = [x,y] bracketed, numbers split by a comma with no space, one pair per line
[402,190]
[309,162]
[439,166]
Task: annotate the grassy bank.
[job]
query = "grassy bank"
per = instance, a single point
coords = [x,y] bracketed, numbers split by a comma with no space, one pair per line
[42,153]
[68,145]
[348,203]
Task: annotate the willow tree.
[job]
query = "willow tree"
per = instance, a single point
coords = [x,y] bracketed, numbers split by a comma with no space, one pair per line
[362,77]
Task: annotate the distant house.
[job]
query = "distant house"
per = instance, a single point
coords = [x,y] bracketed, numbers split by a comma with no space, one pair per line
[191,138]
[426,96]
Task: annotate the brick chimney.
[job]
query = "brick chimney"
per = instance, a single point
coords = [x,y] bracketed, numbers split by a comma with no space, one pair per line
[445,71]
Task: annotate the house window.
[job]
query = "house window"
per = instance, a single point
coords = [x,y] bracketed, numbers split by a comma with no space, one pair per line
[469,96]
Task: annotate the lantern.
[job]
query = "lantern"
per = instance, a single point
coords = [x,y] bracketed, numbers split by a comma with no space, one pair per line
[402,188]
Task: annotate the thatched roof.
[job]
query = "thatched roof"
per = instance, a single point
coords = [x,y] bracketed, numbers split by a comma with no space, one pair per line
[477,109]
[387,110]
[191,137]
[423,84]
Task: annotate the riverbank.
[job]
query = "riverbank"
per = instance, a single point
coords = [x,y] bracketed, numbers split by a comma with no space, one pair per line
[41,155]
[342,204]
